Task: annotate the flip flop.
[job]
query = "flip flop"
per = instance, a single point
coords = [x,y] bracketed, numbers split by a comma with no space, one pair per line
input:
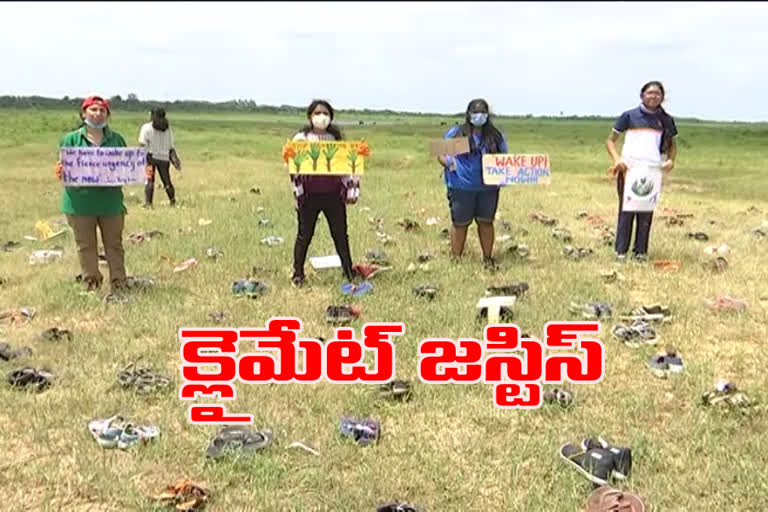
[726,303]
[239,438]
[356,290]
[368,271]
[341,314]
[608,499]
[364,431]
[667,265]
[700,236]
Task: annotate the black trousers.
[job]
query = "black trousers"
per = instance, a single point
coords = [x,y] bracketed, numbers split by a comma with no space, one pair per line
[335,212]
[625,221]
[164,168]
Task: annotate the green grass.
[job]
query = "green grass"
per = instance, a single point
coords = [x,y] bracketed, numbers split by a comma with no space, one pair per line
[449,448]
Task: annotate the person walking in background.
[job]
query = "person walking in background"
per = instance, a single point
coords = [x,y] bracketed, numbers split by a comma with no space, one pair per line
[157,137]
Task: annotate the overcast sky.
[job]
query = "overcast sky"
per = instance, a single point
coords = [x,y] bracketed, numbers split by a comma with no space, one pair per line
[539,58]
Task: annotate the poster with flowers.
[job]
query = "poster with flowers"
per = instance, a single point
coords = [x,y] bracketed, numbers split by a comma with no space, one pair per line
[326,157]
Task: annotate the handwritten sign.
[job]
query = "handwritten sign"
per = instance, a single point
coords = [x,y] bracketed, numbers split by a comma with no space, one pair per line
[326,157]
[452,147]
[102,167]
[642,188]
[504,169]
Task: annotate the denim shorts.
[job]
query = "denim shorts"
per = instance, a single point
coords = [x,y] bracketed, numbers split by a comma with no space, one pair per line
[469,205]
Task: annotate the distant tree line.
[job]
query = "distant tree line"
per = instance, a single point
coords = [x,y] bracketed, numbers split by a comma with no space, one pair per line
[132,103]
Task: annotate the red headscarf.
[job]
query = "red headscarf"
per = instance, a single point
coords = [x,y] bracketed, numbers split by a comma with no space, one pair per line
[95,100]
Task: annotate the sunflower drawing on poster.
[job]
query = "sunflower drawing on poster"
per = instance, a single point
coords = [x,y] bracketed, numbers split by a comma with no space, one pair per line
[642,188]
[326,157]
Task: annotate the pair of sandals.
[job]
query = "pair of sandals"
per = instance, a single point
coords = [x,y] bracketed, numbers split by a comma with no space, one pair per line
[364,431]
[396,390]
[508,290]
[636,335]
[142,379]
[664,365]
[592,310]
[726,394]
[356,290]
[116,432]
[239,438]
[31,378]
[540,217]
[650,313]
[562,234]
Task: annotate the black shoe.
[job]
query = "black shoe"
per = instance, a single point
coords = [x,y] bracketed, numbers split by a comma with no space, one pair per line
[298,280]
[595,464]
[622,456]
[640,258]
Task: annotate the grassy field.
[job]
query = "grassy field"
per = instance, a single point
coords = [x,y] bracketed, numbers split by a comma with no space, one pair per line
[448,448]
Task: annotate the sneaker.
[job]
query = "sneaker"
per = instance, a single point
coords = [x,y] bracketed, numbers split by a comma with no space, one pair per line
[622,456]
[674,361]
[640,258]
[364,431]
[428,291]
[621,258]
[595,464]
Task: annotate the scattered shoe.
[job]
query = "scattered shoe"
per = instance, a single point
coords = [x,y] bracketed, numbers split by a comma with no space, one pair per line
[32,378]
[272,240]
[20,316]
[717,251]
[250,288]
[595,464]
[397,507]
[213,253]
[368,271]
[726,394]
[611,276]
[56,334]
[540,217]
[341,314]
[429,291]
[424,257]
[184,495]
[186,264]
[663,365]
[364,431]
[667,265]
[45,256]
[726,303]
[377,257]
[518,250]
[651,312]
[622,456]
[239,438]
[256,191]
[592,310]
[608,499]
[700,236]
[143,380]
[7,353]
[216,316]
[636,335]
[562,397]
[356,290]
[397,389]
[115,432]
[409,225]
[717,265]
[508,290]
[576,253]
[562,234]
[10,245]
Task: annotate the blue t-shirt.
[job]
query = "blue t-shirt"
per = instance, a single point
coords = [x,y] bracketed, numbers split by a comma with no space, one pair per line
[644,132]
[469,166]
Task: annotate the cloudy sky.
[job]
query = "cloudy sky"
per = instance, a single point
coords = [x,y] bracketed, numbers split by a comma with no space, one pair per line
[539,58]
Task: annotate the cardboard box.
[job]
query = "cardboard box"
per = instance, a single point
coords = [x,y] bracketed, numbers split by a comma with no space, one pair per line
[451,147]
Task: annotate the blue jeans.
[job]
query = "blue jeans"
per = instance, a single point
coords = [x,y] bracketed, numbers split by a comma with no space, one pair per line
[469,205]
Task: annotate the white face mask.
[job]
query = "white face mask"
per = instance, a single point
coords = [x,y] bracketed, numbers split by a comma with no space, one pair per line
[321,121]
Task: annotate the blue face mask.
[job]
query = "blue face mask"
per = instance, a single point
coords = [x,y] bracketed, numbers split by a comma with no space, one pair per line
[478,118]
[93,125]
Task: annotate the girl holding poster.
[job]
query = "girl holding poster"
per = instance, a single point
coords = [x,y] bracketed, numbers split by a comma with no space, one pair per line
[327,194]
[468,197]
[89,207]
[649,149]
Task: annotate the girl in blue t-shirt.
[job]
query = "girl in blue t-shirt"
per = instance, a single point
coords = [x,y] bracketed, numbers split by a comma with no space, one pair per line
[649,139]
[468,197]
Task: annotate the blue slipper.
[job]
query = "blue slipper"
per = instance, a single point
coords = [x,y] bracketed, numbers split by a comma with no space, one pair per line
[356,290]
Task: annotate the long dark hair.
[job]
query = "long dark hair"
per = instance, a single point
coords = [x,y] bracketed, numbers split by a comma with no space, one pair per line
[666,119]
[159,122]
[490,135]
[332,128]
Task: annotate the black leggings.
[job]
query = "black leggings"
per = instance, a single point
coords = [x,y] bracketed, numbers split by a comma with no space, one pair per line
[335,212]
[163,167]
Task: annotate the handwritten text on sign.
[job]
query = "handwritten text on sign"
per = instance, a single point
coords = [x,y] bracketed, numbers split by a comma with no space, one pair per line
[102,167]
[504,169]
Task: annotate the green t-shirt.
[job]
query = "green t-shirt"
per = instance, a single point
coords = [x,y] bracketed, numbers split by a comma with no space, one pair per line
[92,201]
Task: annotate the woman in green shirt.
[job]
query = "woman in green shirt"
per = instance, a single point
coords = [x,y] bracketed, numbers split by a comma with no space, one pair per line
[89,207]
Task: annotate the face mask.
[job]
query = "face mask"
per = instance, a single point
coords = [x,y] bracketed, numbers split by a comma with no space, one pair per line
[321,121]
[94,125]
[478,118]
